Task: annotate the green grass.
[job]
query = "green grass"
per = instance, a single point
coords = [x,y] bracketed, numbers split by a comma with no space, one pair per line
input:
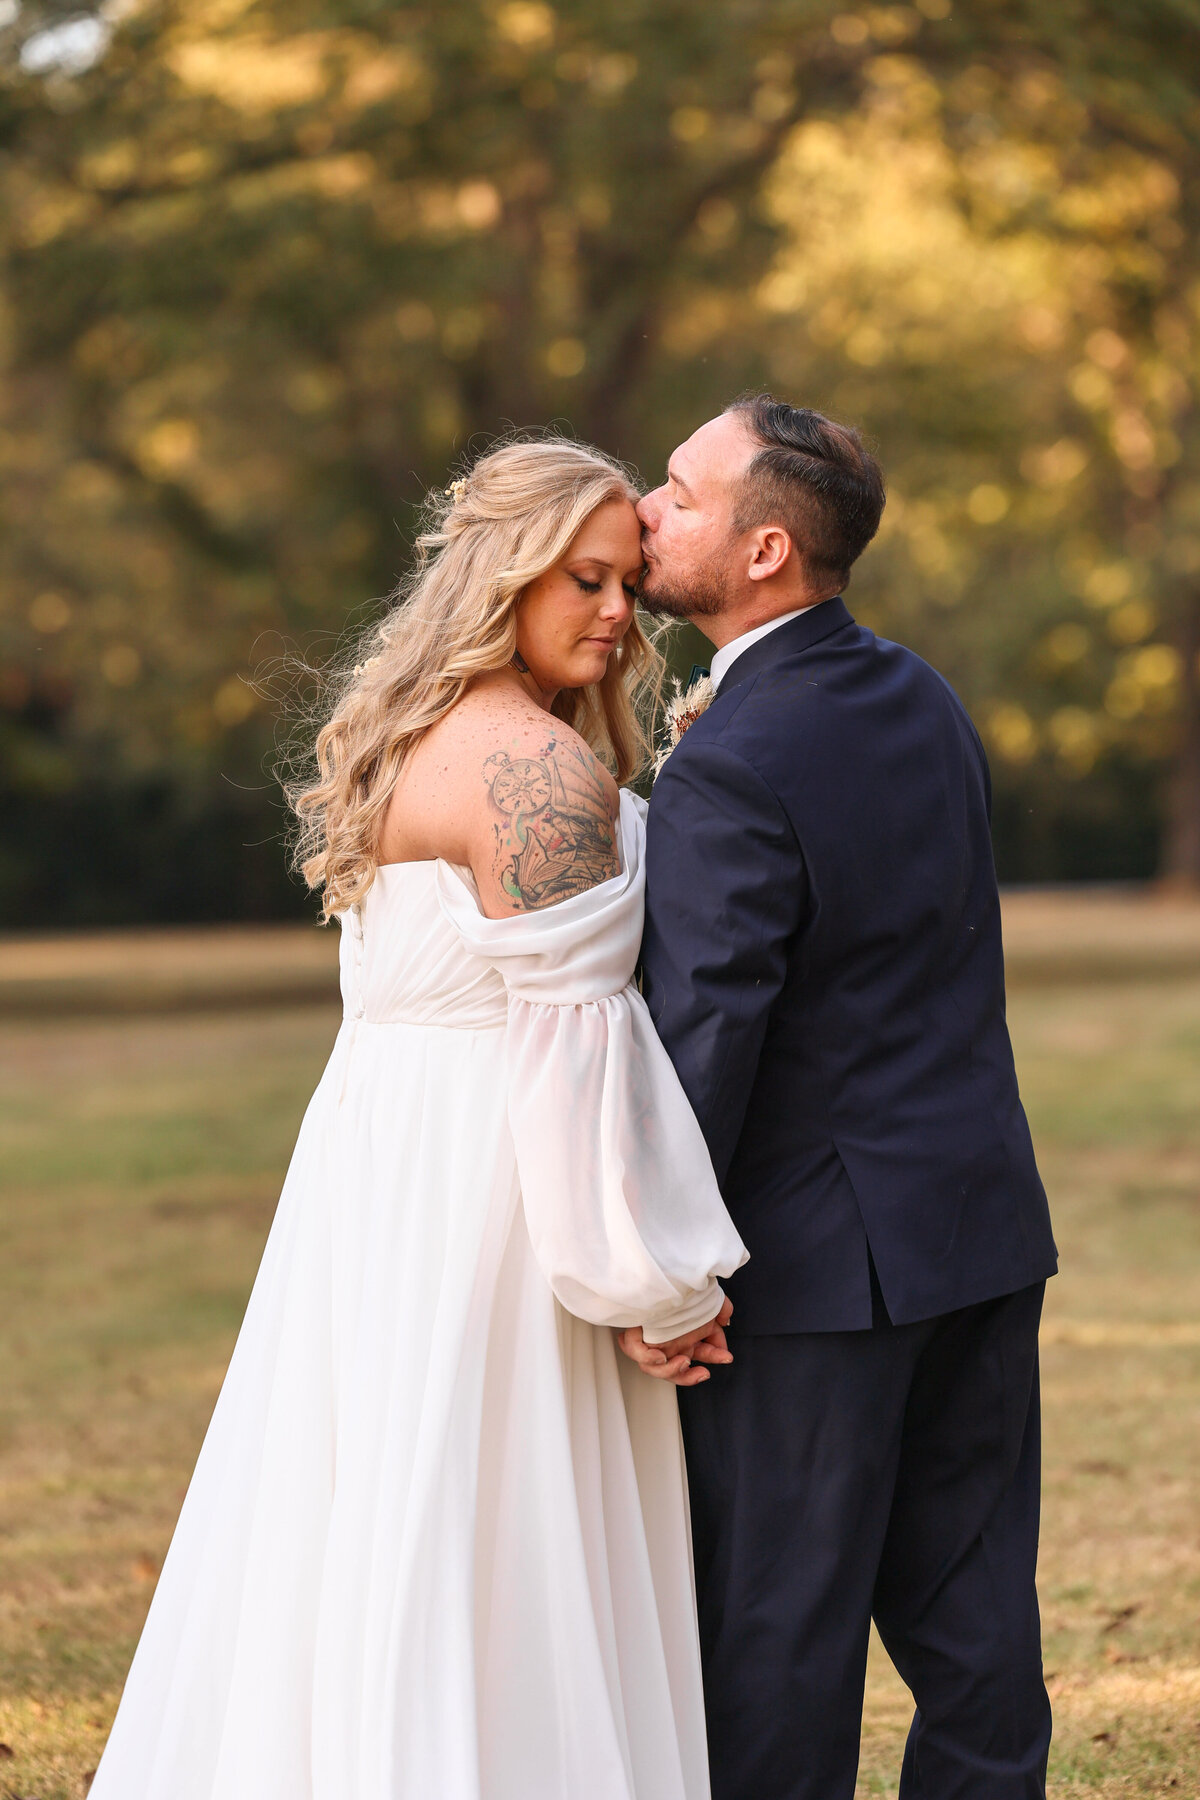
[142,1158]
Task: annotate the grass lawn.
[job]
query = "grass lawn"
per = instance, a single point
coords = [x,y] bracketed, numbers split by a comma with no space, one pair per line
[142,1156]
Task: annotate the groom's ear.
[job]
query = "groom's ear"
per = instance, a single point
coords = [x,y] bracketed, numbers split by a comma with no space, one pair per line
[770,548]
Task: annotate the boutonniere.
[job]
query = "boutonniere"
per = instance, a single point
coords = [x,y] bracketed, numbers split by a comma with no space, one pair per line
[683,709]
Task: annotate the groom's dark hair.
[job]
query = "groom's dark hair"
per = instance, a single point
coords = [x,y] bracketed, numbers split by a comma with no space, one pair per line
[814,477]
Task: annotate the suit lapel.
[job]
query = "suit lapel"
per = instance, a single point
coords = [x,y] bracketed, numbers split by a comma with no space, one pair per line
[798,634]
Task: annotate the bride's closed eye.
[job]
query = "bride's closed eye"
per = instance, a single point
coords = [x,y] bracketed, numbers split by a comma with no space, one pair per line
[589,587]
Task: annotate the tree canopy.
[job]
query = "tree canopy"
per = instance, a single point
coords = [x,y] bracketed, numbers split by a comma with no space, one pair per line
[270,269]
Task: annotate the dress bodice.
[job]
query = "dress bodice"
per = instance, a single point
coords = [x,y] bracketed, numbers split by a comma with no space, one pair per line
[418,951]
[403,961]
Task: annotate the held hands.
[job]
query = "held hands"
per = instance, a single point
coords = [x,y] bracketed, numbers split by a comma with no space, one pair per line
[681,1360]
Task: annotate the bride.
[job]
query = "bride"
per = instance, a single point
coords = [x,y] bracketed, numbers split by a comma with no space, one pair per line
[436,1543]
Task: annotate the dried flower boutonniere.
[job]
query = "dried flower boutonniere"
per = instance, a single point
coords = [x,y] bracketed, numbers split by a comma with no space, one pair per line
[683,709]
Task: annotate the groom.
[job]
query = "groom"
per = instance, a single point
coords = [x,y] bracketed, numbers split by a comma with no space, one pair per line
[823,961]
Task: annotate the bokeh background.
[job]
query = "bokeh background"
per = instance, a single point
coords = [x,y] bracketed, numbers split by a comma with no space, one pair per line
[271,268]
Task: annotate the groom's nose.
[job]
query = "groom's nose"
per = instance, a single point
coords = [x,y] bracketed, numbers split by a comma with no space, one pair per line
[649,509]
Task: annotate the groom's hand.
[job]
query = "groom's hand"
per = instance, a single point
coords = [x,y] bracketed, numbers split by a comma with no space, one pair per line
[681,1360]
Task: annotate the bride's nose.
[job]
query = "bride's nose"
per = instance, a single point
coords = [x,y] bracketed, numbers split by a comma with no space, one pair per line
[616,603]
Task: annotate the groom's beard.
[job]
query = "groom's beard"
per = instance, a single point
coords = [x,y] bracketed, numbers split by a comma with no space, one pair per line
[701,594]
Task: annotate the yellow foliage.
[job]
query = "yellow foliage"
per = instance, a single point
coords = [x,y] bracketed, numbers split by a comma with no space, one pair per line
[717,219]
[1091,386]
[1040,326]
[1130,190]
[871,212]
[335,176]
[463,328]
[50,613]
[988,503]
[1077,737]
[1157,666]
[112,166]
[120,665]
[695,323]
[1054,465]
[168,447]
[1108,583]
[1065,646]
[526,23]
[1107,349]
[313,390]
[415,321]
[478,205]
[1123,698]
[379,75]
[609,74]
[1012,732]
[1132,438]
[51,212]
[772,102]
[866,345]
[1146,681]
[690,123]
[1132,622]
[233,701]
[566,357]
[254,74]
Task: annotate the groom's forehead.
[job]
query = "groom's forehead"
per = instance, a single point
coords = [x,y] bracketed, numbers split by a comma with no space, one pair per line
[718,450]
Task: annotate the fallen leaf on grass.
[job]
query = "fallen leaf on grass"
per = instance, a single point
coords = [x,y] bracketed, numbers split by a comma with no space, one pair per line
[1121,1617]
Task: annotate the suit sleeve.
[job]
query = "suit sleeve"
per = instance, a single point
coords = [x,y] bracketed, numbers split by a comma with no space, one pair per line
[985,772]
[726,891]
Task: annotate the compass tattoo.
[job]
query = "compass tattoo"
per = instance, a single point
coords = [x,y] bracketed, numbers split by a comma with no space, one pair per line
[554,837]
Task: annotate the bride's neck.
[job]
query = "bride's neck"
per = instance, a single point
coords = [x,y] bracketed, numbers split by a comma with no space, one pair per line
[520,681]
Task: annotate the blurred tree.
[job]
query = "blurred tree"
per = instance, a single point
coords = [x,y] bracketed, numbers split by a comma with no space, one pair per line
[269,268]
[1005,286]
[1097,144]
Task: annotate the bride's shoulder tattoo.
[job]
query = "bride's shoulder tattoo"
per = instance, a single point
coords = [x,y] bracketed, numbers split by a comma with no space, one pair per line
[552,826]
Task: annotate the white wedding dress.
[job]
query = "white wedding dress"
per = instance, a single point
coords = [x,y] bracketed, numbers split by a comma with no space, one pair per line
[436,1545]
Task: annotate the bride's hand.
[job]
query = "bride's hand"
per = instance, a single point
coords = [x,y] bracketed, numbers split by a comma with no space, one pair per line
[681,1360]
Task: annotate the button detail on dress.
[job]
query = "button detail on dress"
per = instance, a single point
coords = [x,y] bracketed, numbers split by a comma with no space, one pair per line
[358,1001]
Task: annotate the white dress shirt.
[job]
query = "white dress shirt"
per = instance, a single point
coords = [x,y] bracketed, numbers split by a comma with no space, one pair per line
[730,652]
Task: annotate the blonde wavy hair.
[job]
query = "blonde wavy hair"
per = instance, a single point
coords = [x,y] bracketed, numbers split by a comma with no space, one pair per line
[511,518]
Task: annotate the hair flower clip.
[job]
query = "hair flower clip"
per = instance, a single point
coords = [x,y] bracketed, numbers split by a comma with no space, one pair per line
[457,489]
[361,668]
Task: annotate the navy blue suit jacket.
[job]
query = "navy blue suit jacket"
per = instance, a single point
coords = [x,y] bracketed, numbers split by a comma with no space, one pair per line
[823,962]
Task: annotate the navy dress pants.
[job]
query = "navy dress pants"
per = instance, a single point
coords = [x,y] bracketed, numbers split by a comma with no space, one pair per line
[893,1473]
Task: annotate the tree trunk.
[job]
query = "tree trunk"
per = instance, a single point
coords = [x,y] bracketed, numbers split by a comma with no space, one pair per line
[1181,858]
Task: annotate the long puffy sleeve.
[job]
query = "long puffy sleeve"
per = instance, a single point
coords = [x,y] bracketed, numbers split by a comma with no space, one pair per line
[620,1198]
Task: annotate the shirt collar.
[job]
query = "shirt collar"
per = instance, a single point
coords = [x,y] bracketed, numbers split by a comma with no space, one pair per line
[730,652]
